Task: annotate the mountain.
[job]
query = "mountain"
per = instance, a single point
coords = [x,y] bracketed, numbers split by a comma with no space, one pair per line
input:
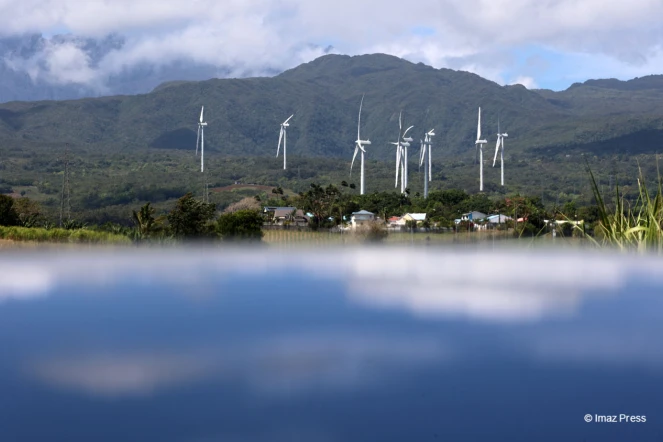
[244,114]
[133,148]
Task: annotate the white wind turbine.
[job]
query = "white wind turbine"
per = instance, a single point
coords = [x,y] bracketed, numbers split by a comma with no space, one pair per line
[282,135]
[359,145]
[500,143]
[201,137]
[405,143]
[399,153]
[479,146]
[426,149]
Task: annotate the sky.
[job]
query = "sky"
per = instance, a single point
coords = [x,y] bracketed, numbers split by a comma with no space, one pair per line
[538,43]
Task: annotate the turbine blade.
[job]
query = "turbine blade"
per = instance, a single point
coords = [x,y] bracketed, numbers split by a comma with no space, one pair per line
[353,159]
[288,118]
[359,119]
[406,131]
[430,165]
[497,148]
[476,153]
[479,126]
[398,160]
[197,139]
[278,149]
[201,113]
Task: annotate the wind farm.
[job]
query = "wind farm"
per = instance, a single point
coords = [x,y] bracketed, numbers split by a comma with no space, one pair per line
[316,128]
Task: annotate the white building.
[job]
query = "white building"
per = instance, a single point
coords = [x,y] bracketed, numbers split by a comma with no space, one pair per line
[361,218]
[473,216]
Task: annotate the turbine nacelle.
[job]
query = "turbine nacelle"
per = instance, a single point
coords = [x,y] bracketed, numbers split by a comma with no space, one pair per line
[480,142]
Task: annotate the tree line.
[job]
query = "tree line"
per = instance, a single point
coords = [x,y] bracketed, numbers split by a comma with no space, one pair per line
[193,219]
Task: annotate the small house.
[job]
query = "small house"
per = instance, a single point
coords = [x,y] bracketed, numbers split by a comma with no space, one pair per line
[498,219]
[472,216]
[416,217]
[361,218]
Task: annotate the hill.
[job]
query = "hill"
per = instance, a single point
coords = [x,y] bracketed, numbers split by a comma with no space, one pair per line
[132,148]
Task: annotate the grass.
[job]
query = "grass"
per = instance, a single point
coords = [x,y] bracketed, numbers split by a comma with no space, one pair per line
[286,238]
[80,236]
[635,227]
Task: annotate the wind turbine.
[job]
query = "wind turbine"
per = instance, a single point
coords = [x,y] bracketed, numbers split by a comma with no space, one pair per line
[406,143]
[399,152]
[282,135]
[500,142]
[426,149]
[201,137]
[359,145]
[479,146]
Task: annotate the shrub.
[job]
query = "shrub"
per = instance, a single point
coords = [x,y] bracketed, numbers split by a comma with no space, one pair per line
[240,225]
[373,232]
[8,214]
[191,218]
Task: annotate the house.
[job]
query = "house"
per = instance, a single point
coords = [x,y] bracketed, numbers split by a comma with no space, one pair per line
[361,218]
[290,215]
[472,216]
[417,217]
[498,219]
[395,221]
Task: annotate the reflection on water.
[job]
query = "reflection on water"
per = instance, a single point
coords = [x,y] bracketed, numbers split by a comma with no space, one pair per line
[366,344]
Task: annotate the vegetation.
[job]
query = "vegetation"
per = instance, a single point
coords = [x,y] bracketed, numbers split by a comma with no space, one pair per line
[637,227]
[17,233]
[191,219]
[8,214]
[118,165]
[245,225]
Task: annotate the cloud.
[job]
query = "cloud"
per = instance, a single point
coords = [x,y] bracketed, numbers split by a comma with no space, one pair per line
[276,365]
[258,36]
[481,286]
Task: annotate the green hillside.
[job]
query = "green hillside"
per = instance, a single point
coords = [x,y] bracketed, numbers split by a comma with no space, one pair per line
[130,149]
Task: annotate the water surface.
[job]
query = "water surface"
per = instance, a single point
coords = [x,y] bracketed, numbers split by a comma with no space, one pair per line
[311,345]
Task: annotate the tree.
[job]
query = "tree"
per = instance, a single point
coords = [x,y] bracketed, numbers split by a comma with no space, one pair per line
[28,211]
[8,215]
[191,218]
[320,202]
[245,225]
[144,220]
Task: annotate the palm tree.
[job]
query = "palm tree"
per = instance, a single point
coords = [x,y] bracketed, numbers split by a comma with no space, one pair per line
[144,219]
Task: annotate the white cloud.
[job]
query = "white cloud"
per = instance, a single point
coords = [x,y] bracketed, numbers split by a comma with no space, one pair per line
[254,35]
[275,365]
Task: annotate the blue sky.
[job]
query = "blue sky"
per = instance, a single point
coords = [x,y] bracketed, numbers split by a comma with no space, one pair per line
[548,44]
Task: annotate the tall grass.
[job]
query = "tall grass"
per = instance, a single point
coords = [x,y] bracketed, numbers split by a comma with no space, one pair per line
[634,227]
[82,236]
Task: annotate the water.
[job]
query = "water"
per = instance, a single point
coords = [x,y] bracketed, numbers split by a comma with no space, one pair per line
[324,345]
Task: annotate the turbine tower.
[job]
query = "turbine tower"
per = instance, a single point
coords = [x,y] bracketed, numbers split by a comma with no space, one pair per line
[282,135]
[425,157]
[201,137]
[500,143]
[359,145]
[399,153]
[406,143]
[479,146]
